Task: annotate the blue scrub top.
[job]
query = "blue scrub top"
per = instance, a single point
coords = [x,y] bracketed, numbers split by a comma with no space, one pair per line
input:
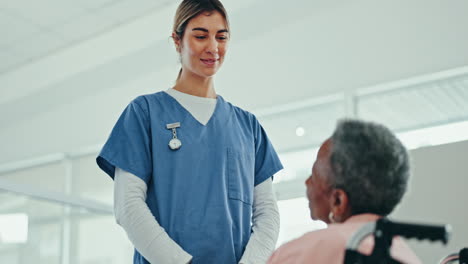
[201,194]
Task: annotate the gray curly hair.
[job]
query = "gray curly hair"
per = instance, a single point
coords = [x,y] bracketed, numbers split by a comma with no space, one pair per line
[370,164]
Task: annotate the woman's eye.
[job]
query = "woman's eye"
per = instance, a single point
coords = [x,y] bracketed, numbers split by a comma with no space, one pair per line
[200,37]
[222,38]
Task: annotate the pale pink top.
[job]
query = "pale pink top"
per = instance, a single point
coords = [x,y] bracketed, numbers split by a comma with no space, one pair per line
[328,245]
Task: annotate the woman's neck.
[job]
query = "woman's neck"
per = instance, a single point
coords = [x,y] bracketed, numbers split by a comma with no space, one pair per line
[195,85]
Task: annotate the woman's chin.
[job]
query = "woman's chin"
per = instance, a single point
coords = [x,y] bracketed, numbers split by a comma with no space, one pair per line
[210,72]
[207,73]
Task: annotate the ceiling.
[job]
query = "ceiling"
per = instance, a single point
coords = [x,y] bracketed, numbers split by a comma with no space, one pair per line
[32,30]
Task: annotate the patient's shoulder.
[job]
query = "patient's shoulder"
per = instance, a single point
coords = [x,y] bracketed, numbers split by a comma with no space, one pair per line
[313,246]
[333,234]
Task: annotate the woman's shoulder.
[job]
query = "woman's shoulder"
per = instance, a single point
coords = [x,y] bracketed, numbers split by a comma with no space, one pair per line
[145,101]
[149,96]
[239,111]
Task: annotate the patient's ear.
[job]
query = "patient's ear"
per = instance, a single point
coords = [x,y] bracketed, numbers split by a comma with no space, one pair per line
[339,205]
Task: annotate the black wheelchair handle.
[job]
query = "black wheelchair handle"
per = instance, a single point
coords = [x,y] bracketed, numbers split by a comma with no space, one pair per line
[421,231]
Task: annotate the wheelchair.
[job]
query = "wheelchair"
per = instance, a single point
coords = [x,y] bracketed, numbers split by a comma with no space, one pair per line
[384,230]
[460,257]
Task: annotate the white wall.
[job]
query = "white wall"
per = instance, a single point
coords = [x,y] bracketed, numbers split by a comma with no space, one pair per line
[438,195]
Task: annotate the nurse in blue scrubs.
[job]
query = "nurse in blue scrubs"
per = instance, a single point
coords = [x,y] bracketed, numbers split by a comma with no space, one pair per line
[192,171]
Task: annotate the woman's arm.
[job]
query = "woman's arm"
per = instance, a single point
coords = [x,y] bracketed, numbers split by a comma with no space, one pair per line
[132,213]
[265,229]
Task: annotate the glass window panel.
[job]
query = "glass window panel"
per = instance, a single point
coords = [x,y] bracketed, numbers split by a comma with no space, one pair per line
[54,229]
[100,240]
[90,182]
[50,177]
[43,230]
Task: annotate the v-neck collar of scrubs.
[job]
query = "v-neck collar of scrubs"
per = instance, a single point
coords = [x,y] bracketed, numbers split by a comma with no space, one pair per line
[219,101]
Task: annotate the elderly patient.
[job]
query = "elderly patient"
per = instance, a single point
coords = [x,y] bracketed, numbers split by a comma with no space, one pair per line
[359,176]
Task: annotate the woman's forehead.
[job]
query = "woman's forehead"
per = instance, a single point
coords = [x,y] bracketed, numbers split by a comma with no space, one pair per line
[209,20]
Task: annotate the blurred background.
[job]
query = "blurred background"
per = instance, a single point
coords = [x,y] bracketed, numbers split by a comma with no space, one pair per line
[68,69]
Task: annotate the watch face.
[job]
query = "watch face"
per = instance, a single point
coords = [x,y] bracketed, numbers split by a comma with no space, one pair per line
[175,144]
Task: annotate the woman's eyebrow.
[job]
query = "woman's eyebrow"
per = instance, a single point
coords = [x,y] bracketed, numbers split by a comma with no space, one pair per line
[206,30]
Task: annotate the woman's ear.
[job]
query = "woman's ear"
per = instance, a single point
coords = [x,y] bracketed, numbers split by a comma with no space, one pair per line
[339,205]
[176,39]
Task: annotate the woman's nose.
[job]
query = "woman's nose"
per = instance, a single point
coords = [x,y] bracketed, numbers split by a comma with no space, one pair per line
[212,47]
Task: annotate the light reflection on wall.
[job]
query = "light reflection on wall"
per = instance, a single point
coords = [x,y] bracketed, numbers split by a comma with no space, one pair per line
[13,228]
[295,220]
[433,136]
